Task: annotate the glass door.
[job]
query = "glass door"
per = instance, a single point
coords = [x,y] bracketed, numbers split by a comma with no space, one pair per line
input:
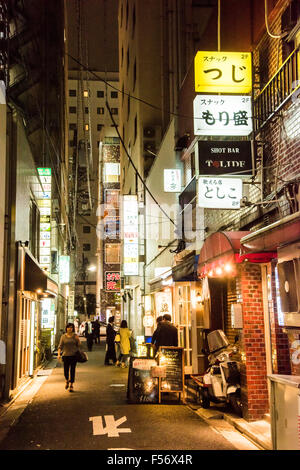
[183,320]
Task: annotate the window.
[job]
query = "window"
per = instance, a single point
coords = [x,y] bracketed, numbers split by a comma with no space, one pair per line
[128,60]
[100,110]
[114,94]
[112,227]
[86,229]
[86,110]
[134,74]
[72,126]
[127,14]
[72,92]
[86,127]
[99,127]
[114,110]
[100,94]
[133,21]
[128,106]
[112,253]
[85,94]
[72,109]
[86,247]
[111,172]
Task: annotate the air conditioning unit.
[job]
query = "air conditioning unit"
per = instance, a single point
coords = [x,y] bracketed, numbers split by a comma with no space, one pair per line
[289,283]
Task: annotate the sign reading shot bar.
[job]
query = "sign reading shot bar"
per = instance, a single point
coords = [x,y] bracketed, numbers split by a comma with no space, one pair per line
[220,193]
[222,115]
[225,157]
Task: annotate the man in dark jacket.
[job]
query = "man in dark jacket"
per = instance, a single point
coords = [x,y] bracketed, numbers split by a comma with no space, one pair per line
[154,336]
[167,334]
[110,342]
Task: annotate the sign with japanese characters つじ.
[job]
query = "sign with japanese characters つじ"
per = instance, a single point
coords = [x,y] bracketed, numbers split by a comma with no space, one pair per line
[222,115]
[223,72]
[220,193]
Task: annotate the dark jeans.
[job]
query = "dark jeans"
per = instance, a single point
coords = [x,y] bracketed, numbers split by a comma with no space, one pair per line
[69,366]
[110,354]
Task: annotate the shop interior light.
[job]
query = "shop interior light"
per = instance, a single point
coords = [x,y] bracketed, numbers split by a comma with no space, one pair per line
[210,273]
[228,267]
[199,298]
[39,291]
[219,271]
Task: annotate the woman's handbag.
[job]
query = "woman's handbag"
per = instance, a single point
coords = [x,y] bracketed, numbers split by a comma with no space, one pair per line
[81,356]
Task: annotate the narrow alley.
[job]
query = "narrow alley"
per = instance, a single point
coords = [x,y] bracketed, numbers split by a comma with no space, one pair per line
[55,419]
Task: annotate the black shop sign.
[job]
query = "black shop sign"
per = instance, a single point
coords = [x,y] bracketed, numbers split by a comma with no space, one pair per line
[225,157]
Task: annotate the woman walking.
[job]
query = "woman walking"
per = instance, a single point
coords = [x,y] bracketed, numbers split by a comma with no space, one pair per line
[68,346]
[125,334]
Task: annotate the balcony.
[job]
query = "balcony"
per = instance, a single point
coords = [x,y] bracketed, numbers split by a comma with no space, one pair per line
[278,90]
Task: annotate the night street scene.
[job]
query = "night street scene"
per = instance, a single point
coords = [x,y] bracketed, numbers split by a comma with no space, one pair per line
[150,230]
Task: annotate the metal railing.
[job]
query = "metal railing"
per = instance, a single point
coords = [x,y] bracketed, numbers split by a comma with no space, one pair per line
[278,90]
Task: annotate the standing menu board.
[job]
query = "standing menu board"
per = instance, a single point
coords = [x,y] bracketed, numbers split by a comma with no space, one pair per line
[142,387]
[172,358]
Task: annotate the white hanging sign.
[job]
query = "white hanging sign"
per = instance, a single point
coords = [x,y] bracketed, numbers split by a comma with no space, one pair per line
[220,193]
[172,180]
[222,115]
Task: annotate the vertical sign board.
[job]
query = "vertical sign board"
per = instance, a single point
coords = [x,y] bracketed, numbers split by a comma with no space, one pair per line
[44,203]
[130,236]
[172,359]
[142,387]
[112,281]
[222,115]
[223,72]
[172,180]
[64,269]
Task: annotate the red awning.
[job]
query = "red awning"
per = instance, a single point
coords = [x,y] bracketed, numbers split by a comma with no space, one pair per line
[222,250]
[219,249]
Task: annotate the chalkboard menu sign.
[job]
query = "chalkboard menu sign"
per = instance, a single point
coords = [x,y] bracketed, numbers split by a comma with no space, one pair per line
[172,358]
[142,387]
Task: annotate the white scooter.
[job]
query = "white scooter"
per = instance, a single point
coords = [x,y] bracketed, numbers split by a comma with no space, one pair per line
[221,382]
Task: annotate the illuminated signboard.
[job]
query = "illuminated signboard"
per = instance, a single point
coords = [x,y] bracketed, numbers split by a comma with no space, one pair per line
[172,180]
[112,281]
[163,303]
[220,193]
[224,157]
[130,236]
[222,115]
[43,196]
[223,72]
[64,269]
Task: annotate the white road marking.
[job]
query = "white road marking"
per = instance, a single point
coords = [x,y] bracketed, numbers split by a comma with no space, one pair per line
[111,426]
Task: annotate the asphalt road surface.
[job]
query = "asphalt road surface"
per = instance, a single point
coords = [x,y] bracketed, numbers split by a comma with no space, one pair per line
[97,416]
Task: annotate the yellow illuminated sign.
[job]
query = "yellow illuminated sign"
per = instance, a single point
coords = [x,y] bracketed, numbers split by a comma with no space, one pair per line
[223,72]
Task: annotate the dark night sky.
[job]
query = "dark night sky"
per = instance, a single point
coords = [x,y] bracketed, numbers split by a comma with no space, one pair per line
[101,33]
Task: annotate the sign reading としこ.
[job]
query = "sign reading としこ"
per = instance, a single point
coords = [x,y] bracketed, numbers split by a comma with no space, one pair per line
[112,281]
[225,157]
[220,193]
[222,115]
[223,72]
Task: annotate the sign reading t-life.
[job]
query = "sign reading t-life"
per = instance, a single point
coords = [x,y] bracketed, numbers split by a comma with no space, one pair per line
[222,115]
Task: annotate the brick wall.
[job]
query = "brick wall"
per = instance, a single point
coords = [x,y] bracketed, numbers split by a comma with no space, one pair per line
[279,339]
[254,372]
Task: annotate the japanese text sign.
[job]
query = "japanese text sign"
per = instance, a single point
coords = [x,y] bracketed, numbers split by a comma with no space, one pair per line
[113,281]
[220,193]
[222,115]
[130,235]
[223,72]
[224,157]
[172,180]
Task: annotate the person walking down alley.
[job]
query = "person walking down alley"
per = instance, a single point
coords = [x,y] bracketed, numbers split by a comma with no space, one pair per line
[125,334]
[167,334]
[110,343]
[68,346]
[89,335]
[96,331]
